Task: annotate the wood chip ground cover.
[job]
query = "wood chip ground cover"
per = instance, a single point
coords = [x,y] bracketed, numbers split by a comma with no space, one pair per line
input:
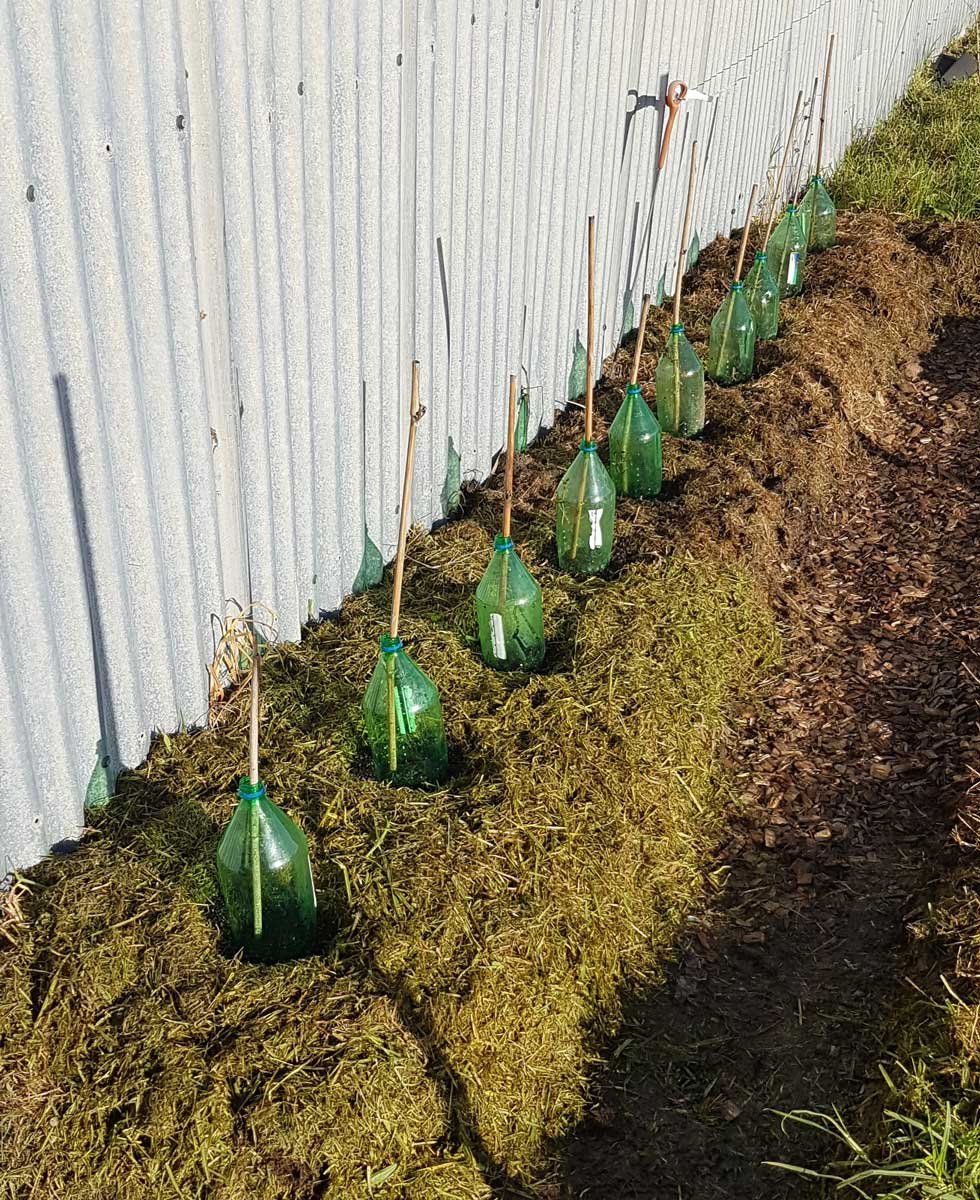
[482,939]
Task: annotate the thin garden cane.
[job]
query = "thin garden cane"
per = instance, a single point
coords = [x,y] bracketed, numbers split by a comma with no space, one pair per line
[508,485]
[573,552]
[798,179]
[634,373]
[823,103]
[777,191]
[416,413]
[679,280]
[741,256]
[253,778]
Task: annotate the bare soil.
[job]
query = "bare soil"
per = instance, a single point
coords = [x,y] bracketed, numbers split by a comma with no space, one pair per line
[786,992]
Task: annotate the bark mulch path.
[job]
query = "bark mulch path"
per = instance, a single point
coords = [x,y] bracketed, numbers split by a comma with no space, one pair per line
[784,992]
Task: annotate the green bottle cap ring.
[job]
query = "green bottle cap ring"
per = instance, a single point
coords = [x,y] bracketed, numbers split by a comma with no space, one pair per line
[738,286]
[791,208]
[250,791]
[761,256]
[588,447]
[390,645]
[503,543]
[677,329]
[633,389]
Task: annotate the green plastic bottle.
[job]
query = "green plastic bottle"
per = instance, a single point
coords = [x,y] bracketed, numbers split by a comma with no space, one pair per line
[585,514]
[731,347]
[680,387]
[818,215]
[265,880]
[762,296]
[636,462]
[787,254]
[508,612]
[403,719]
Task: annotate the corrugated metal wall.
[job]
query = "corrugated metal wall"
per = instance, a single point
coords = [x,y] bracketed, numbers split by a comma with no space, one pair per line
[207,202]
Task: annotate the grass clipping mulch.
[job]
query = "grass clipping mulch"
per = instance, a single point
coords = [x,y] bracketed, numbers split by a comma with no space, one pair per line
[442,1039]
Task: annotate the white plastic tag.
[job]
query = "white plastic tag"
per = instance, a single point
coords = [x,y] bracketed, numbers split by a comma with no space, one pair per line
[595,534]
[497,635]
[793,268]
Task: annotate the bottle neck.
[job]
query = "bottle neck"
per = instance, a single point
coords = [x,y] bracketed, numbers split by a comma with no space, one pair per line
[676,330]
[390,645]
[738,286]
[587,447]
[502,544]
[633,390]
[761,256]
[250,792]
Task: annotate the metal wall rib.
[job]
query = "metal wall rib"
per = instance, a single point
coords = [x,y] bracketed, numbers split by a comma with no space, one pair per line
[211,204]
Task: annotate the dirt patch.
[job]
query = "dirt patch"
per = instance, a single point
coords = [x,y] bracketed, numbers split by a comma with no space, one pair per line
[786,993]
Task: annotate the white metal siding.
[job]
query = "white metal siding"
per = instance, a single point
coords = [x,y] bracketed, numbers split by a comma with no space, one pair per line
[207,201]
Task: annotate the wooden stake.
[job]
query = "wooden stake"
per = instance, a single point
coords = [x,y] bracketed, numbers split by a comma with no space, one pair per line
[823,103]
[745,233]
[588,350]
[644,310]
[806,140]
[509,469]
[777,193]
[416,413]
[686,233]
[253,728]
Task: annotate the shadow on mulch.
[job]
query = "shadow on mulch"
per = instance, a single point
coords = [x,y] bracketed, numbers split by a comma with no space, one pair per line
[785,994]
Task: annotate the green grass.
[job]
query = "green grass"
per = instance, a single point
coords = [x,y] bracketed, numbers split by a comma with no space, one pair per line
[923,160]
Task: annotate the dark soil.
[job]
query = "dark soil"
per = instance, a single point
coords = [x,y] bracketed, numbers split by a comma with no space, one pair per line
[788,986]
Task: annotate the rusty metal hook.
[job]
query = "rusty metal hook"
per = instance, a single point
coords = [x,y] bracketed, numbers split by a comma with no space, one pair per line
[676,91]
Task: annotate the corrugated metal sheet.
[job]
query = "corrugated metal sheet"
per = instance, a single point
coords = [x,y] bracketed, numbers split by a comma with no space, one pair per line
[280,205]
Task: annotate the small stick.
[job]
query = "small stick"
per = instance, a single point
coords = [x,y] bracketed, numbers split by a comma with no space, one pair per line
[509,469]
[823,102]
[644,310]
[416,413]
[745,233]
[741,259]
[508,490]
[782,169]
[588,352]
[686,233]
[806,138]
[573,552]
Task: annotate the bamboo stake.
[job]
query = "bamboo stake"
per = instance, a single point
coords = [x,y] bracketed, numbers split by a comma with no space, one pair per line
[823,102]
[508,490]
[416,413]
[679,281]
[686,233]
[573,552]
[253,778]
[644,311]
[589,348]
[798,180]
[782,169]
[740,263]
[745,233]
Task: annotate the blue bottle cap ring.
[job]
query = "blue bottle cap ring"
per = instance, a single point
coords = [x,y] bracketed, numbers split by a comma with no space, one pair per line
[677,328]
[389,646]
[587,447]
[250,791]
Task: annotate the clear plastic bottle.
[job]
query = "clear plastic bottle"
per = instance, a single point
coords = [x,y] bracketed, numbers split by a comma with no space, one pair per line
[680,387]
[731,348]
[818,215]
[403,720]
[787,254]
[762,296]
[265,880]
[585,514]
[635,448]
[508,612]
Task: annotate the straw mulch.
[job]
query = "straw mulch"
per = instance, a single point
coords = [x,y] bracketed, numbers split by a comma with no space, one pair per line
[476,938]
